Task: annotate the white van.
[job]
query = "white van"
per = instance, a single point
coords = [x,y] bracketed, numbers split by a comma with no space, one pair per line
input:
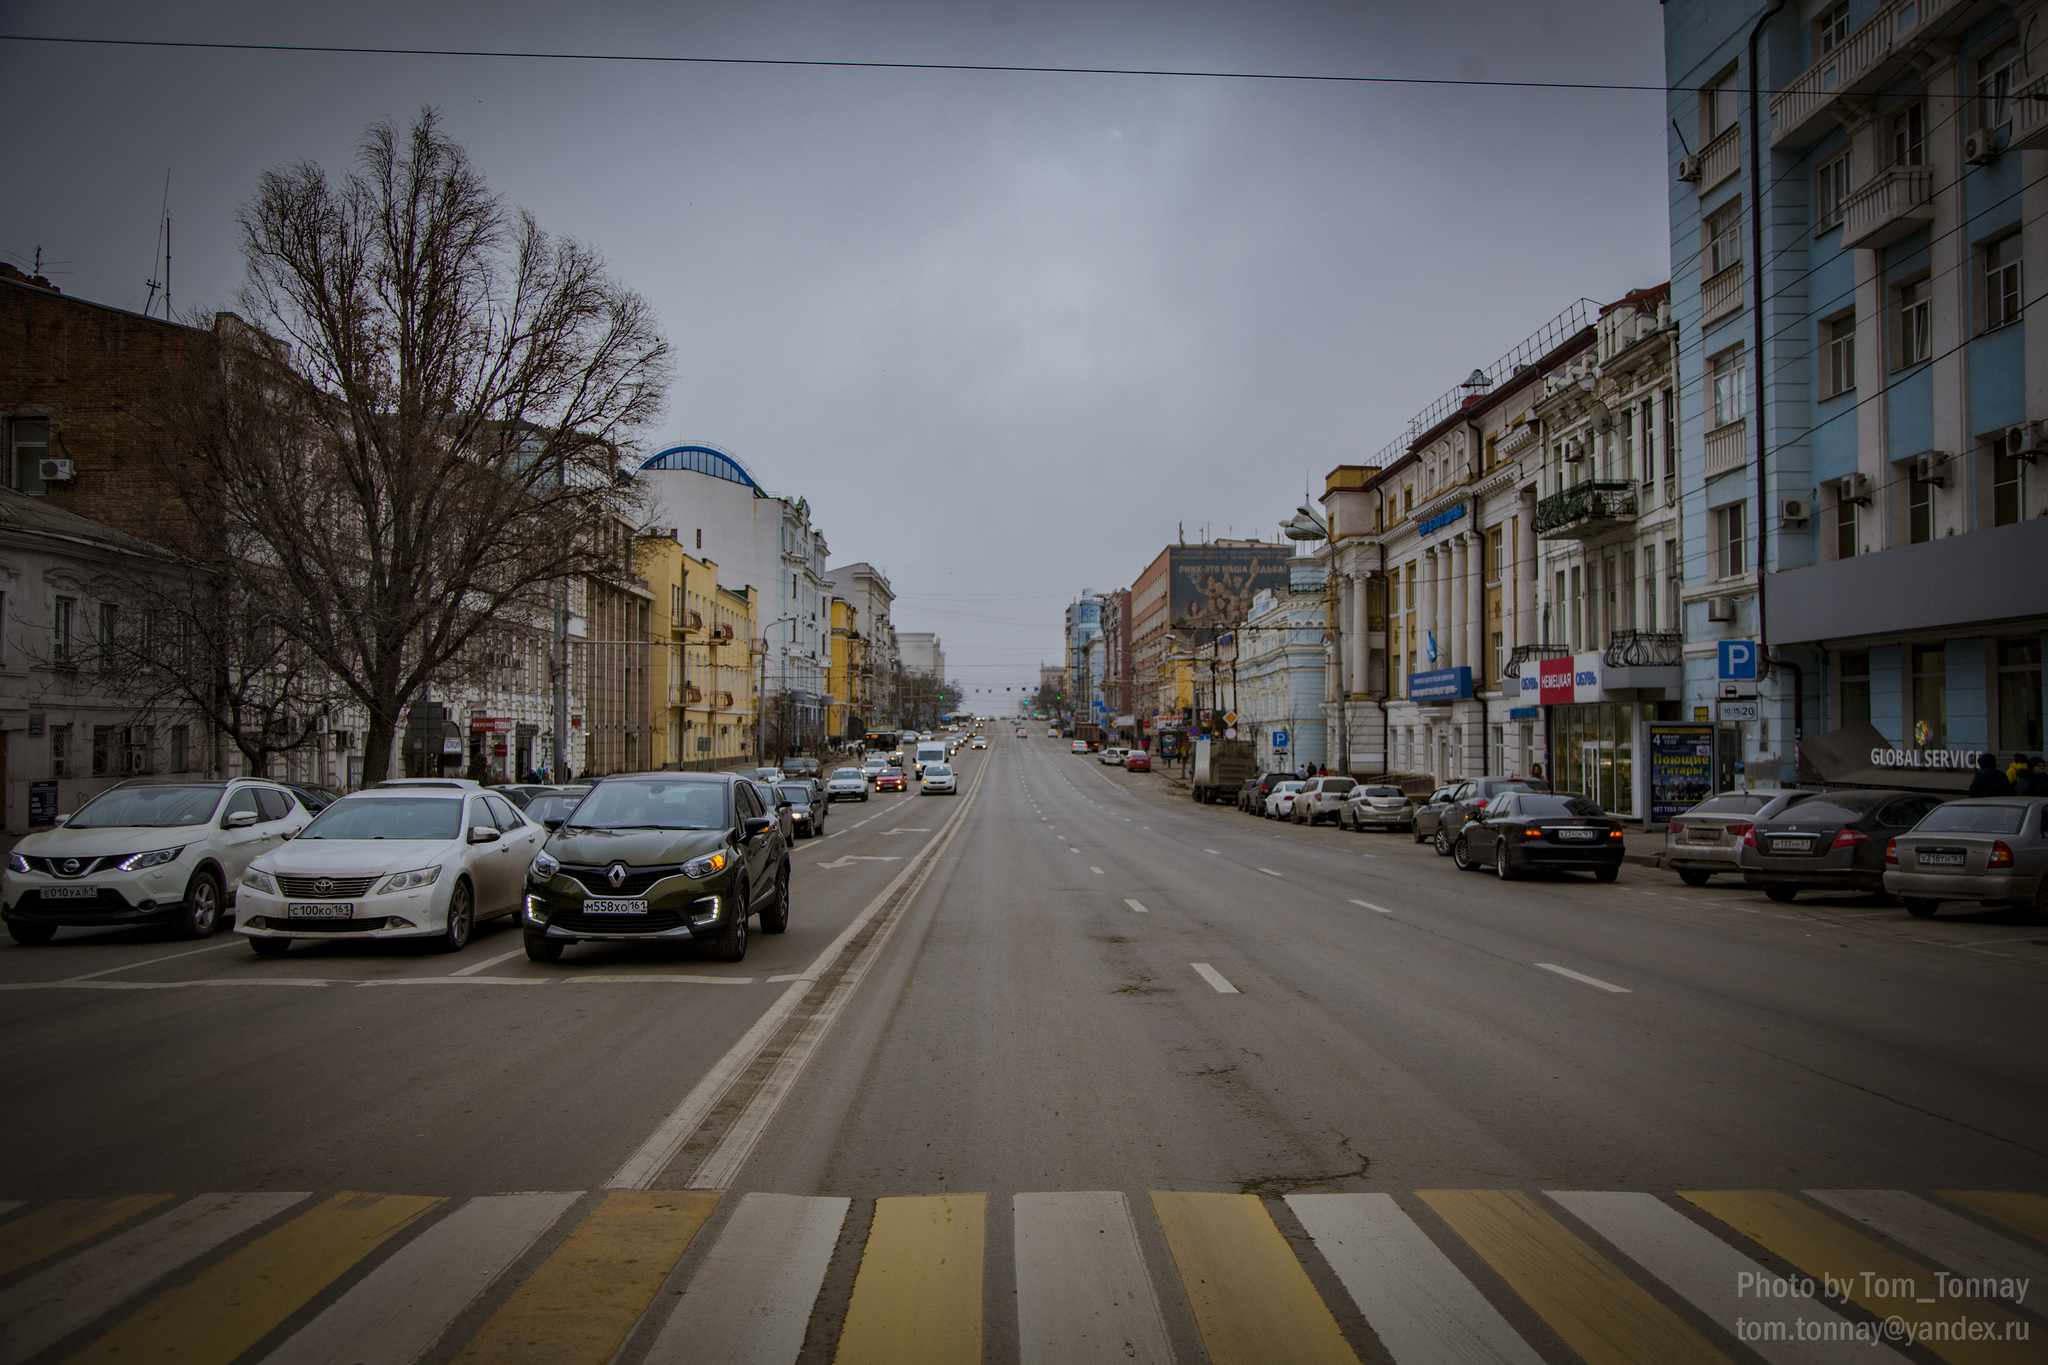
[934,752]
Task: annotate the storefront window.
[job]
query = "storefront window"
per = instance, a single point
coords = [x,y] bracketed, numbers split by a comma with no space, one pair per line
[1855,687]
[1930,697]
[1594,748]
[2019,693]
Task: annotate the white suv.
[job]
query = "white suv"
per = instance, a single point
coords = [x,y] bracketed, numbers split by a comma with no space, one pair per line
[146,851]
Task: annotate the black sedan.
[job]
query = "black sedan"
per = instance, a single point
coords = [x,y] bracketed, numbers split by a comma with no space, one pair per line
[1833,842]
[1522,831]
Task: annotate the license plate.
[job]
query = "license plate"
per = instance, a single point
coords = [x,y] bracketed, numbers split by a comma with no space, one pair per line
[1941,859]
[321,910]
[71,893]
[615,907]
[1578,835]
[1791,845]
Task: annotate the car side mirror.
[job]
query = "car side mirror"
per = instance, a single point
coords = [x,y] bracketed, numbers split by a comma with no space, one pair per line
[240,819]
[482,834]
[287,834]
[60,819]
[755,824]
[553,823]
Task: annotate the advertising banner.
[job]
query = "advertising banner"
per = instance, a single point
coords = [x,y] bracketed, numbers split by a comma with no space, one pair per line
[1211,586]
[1555,682]
[1681,769]
[42,803]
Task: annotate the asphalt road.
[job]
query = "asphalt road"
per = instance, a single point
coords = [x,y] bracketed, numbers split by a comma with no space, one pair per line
[1046,1063]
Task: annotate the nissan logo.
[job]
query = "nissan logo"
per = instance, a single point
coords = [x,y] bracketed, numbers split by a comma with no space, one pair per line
[616,875]
[323,886]
[71,867]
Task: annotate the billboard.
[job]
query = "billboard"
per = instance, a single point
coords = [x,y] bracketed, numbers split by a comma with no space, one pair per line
[1212,586]
[1681,769]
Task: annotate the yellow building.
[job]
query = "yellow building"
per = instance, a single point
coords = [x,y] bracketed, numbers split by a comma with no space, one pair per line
[702,692]
[843,718]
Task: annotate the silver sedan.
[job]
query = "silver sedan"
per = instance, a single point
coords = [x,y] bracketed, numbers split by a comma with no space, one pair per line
[1988,849]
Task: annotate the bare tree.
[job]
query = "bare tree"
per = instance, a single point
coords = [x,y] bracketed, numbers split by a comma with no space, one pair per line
[422,425]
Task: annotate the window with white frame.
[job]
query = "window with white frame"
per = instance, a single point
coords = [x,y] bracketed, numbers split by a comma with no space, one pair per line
[1906,142]
[1914,310]
[1728,385]
[2001,281]
[1722,247]
[1831,30]
[1838,355]
[1830,193]
[28,444]
[1720,105]
[1998,75]
[1731,540]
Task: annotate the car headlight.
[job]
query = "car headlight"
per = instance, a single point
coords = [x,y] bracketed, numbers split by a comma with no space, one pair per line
[17,863]
[154,858]
[707,865]
[409,881]
[259,881]
[544,867]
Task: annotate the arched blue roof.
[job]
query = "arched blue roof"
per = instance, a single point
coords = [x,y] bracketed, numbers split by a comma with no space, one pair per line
[704,460]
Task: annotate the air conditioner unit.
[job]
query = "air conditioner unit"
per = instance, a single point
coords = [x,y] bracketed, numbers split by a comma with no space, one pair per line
[1793,510]
[56,471]
[1855,488]
[1689,169]
[1932,469]
[1574,451]
[1981,149]
[2026,440]
[1720,609]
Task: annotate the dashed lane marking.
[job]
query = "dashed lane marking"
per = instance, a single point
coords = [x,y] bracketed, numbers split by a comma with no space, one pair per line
[1271,873]
[1135,906]
[1368,905]
[1214,978]
[1096,870]
[1589,980]
[488,962]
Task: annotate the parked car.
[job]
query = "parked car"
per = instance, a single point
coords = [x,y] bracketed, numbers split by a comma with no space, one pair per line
[1138,761]
[1322,798]
[1446,819]
[890,780]
[519,793]
[1280,801]
[314,799]
[420,862]
[847,784]
[1522,831]
[1378,806]
[1706,839]
[1111,755]
[765,774]
[937,777]
[806,808]
[1430,812]
[1832,842]
[549,809]
[145,851]
[1993,850]
[778,806]
[1251,798]
[661,858]
[800,767]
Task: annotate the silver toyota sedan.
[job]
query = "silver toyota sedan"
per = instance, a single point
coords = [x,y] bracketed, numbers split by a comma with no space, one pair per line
[1990,849]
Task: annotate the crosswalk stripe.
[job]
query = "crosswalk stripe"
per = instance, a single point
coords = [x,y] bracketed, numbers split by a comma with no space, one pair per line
[1252,1301]
[64,1223]
[750,1302]
[1083,1293]
[917,1295]
[399,1309]
[1869,1273]
[579,1305]
[1601,1313]
[239,1300]
[1720,1281]
[1937,1234]
[1422,1306]
[2026,1213]
[51,1305]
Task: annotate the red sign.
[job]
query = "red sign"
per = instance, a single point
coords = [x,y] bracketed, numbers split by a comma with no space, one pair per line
[1556,682]
[483,725]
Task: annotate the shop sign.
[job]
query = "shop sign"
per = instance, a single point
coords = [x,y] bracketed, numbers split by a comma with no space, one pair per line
[1440,684]
[1681,769]
[501,725]
[1440,520]
[1524,712]
[1561,682]
[1948,760]
[452,745]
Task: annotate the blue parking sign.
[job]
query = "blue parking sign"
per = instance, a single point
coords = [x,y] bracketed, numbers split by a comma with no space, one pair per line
[1738,660]
[1279,739]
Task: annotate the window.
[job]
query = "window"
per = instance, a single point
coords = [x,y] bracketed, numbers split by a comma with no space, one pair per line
[1831,30]
[60,751]
[1907,141]
[28,445]
[1855,687]
[1727,382]
[1628,444]
[272,804]
[1838,355]
[243,802]
[1731,539]
[1919,508]
[2005,485]
[1830,193]
[1916,323]
[2019,693]
[1674,579]
[2002,281]
[1578,601]
[1723,245]
[103,743]
[61,612]
[1930,697]
[1628,590]
[1670,408]
[1720,106]
[1650,586]
[181,758]
[110,624]
[1845,529]
[1649,441]
[1998,73]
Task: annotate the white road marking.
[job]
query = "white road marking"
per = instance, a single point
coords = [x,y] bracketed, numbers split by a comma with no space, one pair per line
[788,976]
[1937,1234]
[476,967]
[1716,1278]
[168,985]
[621,978]
[1421,1305]
[1271,873]
[852,858]
[1083,1294]
[1589,980]
[457,980]
[1135,906]
[1096,870]
[1073,850]
[750,1302]
[906,830]
[52,1305]
[1211,850]
[151,962]
[397,1310]
[1368,905]
[1214,978]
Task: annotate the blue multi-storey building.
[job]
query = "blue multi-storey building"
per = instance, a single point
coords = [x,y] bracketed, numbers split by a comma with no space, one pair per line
[1865,380]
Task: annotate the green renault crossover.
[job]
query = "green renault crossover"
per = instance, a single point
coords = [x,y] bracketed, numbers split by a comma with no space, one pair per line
[660,858]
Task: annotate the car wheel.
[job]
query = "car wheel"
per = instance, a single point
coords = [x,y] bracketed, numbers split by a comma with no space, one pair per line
[1606,874]
[1461,855]
[271,947]
[1781,893]
[461,919]
[1500,862]
[540,949]
[775,920]
[30,935]
[1443,841]
[1921,908]
[201,915]
[731,945]
[1692,877]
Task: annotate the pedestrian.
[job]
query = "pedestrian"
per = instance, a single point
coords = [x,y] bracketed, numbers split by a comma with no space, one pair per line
[2034,781]
[1989,781]
[568,773]
[1536,772]
[1322,770]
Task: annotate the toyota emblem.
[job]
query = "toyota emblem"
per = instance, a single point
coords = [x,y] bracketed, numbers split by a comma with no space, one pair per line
[616,875]
[71,867]
[323,886]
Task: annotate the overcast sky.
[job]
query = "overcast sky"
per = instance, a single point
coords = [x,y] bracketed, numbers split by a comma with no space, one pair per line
[1007,332]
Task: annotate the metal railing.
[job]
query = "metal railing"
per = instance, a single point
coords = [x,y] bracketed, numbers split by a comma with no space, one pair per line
[1604,499]
[1645,649]
[1893,204]
[1523,654]
[1721,158]
[1728,447]
[1721,294]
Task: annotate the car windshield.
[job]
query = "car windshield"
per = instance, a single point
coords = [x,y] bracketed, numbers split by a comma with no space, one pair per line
[937,770]
[1734,803]
[388,817]
[148,807]
[1394,792]
[1539,805]
[552,806]
[846,774]
[1957,818]
[651,803]
[797,793]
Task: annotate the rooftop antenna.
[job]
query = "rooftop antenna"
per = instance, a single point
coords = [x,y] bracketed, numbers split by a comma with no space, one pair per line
[161,252]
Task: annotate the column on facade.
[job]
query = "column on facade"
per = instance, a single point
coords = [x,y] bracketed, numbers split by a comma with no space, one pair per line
[1475,613]
[1428,627]
[1452,643]
[1361,631]
[1528,587]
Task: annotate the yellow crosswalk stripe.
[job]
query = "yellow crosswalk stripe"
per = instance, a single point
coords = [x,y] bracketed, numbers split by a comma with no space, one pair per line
[590,1291]
[44,1232]
[917,1296]
[1870,1274]
[236,1302]
[2026,1213]
[1252,1301]
[1601,1313]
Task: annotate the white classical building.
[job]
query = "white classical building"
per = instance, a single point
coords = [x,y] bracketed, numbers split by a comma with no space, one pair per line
[1281,671]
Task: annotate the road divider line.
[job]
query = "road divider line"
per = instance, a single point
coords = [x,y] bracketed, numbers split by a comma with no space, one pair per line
[1083,1294]
[488,962]
[1589,980]
[917,1295]
[1214,978]
[751,1299]
[1368,905]
[1135,906]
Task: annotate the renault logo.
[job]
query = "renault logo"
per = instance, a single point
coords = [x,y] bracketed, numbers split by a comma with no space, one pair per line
[616,875]
[71,867]
[323,886]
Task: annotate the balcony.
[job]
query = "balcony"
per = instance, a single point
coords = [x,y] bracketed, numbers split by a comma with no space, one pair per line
[1896,203]
[2030,116]
[1875,53]
[1727,448]
[1721,158]
[1588,510]
[1645,649]
[1721,295]
[1523,654]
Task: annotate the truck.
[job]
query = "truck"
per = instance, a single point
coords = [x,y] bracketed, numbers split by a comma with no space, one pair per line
[1221,767]
[1091,733]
